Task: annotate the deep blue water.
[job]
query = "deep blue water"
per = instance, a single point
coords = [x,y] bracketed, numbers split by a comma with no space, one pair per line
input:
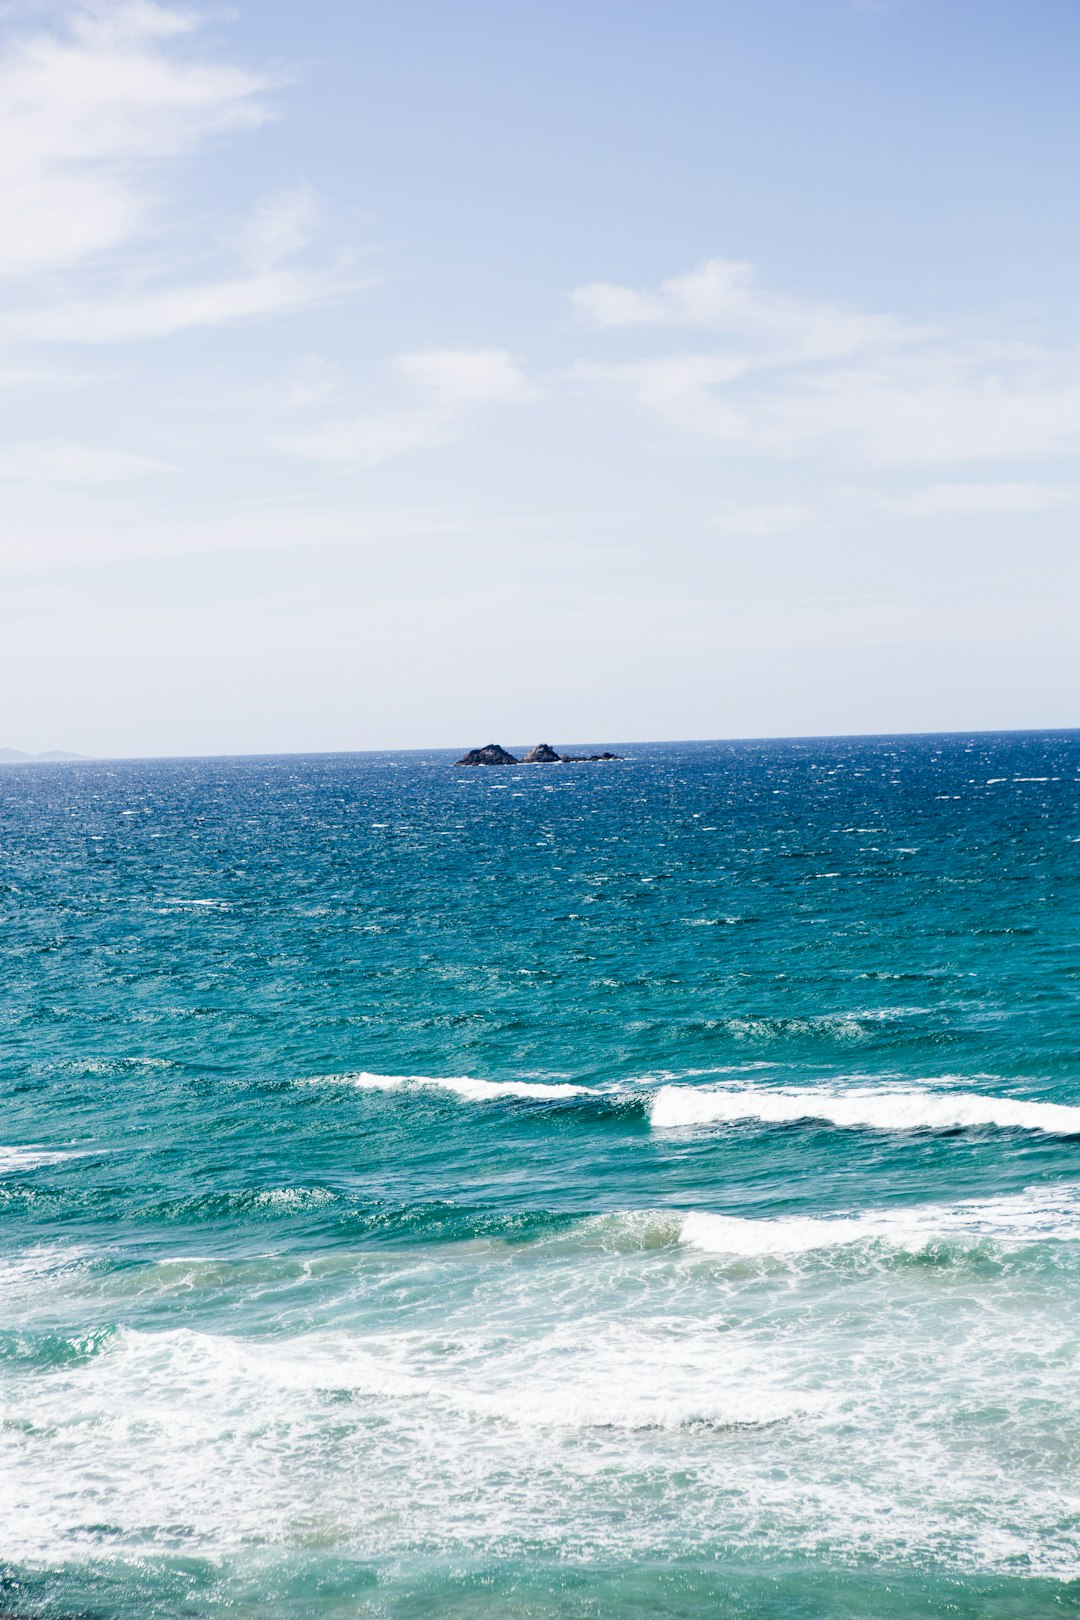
[605,1190]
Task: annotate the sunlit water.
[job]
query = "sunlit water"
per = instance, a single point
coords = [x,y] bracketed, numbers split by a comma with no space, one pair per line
[603,1190]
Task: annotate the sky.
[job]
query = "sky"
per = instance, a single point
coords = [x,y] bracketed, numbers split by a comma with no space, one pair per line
[403,374]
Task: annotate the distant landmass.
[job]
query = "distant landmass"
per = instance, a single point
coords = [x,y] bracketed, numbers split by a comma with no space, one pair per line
[15,756]
[542,754]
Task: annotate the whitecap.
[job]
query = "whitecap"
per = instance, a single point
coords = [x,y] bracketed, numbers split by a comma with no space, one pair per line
[462,1086]
[293,1198]
[14,1160]
[913,1110]
[1036,1216]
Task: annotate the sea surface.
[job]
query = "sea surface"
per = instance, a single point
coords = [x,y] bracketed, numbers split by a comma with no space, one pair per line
[641,1189]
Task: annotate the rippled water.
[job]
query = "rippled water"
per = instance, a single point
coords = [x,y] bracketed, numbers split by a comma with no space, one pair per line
[638,1189]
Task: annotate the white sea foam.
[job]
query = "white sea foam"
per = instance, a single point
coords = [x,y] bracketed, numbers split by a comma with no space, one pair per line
[14,1160]
[459,1085]
[305,1435]
[293,1198]
[913,1110]
[1036,1216]
[672,1105]
[572,1399]
[640,1398]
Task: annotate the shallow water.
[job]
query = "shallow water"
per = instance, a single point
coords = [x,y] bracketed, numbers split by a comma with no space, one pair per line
[638,1189]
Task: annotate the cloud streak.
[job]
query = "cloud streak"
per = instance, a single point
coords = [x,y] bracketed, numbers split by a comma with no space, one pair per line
[723,296]
[759,522]
[444,391]
[74,464]
[789,377]
[89,112]
[95,113]
[160,312]
[964,500]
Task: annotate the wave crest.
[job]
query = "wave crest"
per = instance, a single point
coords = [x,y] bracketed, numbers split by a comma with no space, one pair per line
[1033,1217]
[682,1106]
[459,1085]
[15,1160]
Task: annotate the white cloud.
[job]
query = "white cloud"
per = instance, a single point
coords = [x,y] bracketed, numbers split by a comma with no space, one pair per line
[982,499]
[445,388]
[64,529]
[159,313]
[93,112]
[74,464]
[722,295]
[791,377]
[679,389]
[88,111]
[310,380]
[758,522]
[280,227]
[365,440]
[38,376]
[458,378]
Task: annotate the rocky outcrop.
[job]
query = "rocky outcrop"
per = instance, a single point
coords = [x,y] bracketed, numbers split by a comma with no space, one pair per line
[491,755]
[542,754]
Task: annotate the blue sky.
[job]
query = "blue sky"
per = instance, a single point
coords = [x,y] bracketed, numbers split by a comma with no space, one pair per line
[415,374]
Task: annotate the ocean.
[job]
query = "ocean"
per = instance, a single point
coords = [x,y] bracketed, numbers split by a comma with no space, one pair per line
[634,1189]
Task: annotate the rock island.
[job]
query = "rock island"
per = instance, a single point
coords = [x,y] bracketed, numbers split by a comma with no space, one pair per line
[542,754]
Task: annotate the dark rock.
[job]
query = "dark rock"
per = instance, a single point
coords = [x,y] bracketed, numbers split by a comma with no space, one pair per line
[491,755]
[542,754]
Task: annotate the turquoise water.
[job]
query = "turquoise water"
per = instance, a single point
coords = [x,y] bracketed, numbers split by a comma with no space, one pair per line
[625,1190]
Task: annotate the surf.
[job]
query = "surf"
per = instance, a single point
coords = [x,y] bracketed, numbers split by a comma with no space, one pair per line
[680,1107]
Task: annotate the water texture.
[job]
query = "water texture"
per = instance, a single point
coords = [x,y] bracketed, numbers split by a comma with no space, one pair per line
[643,1189]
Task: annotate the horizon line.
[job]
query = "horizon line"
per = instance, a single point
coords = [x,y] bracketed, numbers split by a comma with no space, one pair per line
[71,758]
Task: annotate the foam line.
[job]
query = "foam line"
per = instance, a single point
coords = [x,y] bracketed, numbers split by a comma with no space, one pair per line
[460,1086]
[675,1106]
[1034,1217]
[14,1160]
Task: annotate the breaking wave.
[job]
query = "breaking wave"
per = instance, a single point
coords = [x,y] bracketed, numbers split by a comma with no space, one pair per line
[671,1105]
[675,1106]
[14,1160]
[459,1085]
[1036,1216]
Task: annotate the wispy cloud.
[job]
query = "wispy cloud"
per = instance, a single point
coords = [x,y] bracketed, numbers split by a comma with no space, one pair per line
[89,111]
[280,226]
[785,376]
[160,312]
[982,499]
[458,379]
[758,522]
[74,464]
[438,393]
[95,111]
[723,295]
